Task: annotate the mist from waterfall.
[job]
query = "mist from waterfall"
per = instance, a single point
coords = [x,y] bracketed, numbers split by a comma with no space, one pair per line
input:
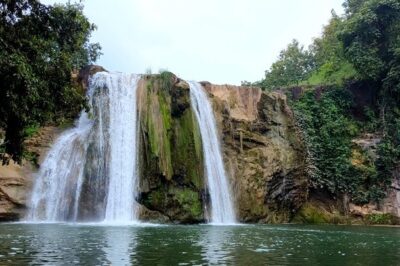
[97,159]
[222,208]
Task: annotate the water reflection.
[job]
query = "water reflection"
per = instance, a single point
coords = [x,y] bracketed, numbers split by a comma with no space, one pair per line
[52,243]
[66,244]
[217,244]
[120,248]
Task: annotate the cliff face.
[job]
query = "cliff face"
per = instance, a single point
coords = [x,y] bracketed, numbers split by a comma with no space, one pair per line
[364,154]
[263,152]
[14,185]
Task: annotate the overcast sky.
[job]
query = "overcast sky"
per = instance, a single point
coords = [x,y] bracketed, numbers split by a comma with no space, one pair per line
[222,41]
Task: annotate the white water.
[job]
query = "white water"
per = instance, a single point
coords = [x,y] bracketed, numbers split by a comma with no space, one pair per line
[222,209]
[63,164]
[123,142]
[100,151]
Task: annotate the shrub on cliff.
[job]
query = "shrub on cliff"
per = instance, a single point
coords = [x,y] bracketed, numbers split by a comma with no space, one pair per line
[40,47]
[362,46]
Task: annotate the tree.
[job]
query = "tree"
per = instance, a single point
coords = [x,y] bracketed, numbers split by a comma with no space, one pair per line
[352,6]
[371,39]
[40,47]
[371,36]
[294,64]
[331,66]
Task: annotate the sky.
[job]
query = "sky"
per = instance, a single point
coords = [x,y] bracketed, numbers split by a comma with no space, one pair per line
[221,41]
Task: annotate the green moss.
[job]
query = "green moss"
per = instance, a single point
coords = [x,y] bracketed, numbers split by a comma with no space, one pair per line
[311,215]
[187,160]
[189,201]
[153,139]
[149,86]
[165,110]
[197,137]
[257,210]
[156,198]
[277,217]
[158,123]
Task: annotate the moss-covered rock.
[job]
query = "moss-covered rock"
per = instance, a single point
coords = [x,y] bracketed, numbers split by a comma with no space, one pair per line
[171,163]
[314,214]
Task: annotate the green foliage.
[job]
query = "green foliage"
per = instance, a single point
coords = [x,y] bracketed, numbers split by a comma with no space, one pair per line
[371,39]
[331,65]
[32,157]
[323,63]
[371,36]
[388,159]
[328,132]
[31,130]
[362,45]
[371,123]
[352,5]
[40,47]
[381,218]
[331,74]
[166,79]
[328,127]
[328,48]
[294,64]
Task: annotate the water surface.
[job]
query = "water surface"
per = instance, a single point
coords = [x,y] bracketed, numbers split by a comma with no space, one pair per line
[66,244]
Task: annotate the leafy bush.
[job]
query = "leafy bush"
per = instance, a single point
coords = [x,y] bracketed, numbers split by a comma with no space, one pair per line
[381,218]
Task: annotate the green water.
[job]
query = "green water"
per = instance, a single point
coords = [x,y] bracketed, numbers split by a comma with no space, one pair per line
[67,244]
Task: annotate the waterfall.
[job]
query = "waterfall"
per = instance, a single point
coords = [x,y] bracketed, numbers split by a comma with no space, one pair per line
[92,168]
[222,209]
[123,140]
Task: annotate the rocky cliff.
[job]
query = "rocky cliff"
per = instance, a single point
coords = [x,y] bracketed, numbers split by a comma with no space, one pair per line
[263,151]
[14,185]
[264,155]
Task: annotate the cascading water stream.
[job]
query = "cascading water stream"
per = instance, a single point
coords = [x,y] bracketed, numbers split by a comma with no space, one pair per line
[222,209]
[123,158]
[96,159]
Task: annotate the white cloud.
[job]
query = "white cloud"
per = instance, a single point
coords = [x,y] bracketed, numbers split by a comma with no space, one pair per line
[222,41]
